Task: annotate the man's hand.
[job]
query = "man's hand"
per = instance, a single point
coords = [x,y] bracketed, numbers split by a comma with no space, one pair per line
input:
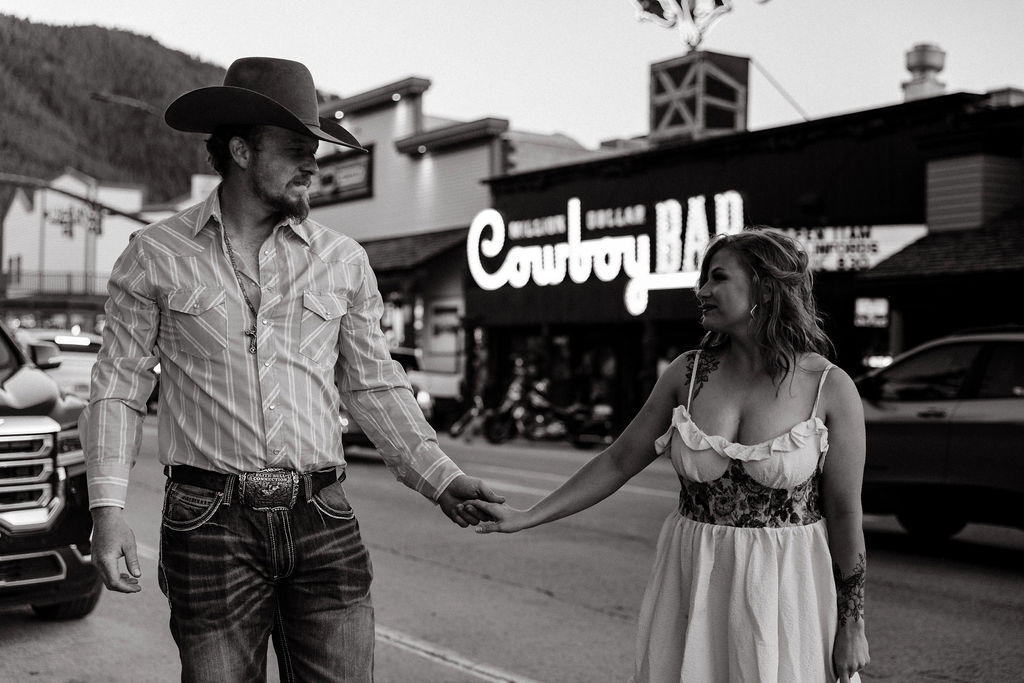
[464,489]
[113,539]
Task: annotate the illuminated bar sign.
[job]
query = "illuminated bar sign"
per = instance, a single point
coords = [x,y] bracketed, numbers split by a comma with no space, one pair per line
[854,247]
[677,253]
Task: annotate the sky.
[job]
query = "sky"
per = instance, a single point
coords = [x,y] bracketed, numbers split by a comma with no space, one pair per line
[579,67]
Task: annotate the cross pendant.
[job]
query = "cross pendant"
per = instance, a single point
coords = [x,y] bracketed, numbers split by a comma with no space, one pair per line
[251,334]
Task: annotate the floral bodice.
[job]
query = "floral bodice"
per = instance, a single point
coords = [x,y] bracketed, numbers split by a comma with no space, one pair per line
[769,484]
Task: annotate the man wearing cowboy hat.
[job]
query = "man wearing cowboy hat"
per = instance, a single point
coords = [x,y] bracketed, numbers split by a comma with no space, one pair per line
[263,323]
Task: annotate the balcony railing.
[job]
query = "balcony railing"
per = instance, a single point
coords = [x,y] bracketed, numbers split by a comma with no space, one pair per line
[29,283]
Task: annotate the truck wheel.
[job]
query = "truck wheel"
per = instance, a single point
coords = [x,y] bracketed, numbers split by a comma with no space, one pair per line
[72,609]
[931,526]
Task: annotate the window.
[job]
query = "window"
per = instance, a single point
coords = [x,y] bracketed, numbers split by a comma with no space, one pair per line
[1004,375]
[342,176]
[9,362]
[406,358]
[935,374]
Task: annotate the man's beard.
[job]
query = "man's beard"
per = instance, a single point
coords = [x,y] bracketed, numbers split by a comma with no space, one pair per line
[294,209]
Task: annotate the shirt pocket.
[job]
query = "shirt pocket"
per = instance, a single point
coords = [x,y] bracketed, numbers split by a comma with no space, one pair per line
[320,324]
[199,321]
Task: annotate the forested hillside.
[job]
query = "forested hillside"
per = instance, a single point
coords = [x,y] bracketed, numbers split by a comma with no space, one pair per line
[51,119]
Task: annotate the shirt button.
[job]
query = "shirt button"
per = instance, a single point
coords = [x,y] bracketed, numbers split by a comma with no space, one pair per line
[273,407]
[267,363]
[277,451]
[266,322]
[266,253]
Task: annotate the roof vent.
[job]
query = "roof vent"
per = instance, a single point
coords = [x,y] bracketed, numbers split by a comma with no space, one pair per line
[924,62]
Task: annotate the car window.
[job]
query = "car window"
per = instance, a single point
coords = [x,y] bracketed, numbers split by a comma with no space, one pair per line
[1004,375]
[8,360]
[408,361]
[932,375]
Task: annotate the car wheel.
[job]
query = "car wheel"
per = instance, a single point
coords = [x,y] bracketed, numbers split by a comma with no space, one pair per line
[931,526]
[72,609]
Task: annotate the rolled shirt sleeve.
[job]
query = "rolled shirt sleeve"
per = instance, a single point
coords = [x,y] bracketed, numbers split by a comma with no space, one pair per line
[122,380]
[376,392]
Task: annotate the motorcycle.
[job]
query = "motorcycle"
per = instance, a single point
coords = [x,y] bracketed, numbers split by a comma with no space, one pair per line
[596,428]
[471,421]
[526,410]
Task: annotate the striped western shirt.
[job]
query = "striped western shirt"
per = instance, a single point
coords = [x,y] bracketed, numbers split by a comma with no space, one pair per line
[174,300]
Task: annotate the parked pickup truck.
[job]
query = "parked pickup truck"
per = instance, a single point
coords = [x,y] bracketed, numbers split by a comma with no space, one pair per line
[45,525]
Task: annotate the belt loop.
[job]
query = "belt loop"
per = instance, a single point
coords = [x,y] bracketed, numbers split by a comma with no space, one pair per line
[229,489]
[307,485]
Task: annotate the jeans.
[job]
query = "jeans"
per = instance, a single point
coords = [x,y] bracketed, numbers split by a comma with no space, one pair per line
[233,576]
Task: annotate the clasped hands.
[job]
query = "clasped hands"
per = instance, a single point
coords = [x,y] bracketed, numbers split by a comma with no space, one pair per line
[468,501]
[457,500]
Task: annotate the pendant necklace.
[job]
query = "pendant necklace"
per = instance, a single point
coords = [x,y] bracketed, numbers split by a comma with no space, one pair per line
[251,331]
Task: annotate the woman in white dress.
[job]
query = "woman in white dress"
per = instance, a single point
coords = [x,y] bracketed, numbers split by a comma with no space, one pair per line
[759,573]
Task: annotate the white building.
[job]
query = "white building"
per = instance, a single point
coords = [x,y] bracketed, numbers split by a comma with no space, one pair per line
[410,201]
[58,250]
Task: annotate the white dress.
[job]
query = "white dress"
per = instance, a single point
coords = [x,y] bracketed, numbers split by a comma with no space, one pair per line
[742,586]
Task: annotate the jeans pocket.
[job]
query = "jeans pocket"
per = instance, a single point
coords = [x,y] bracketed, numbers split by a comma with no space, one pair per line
[333,502]
[199,320]
[188,507]
[320,324]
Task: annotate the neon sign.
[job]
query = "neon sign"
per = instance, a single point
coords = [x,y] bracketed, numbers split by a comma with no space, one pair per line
[676,253]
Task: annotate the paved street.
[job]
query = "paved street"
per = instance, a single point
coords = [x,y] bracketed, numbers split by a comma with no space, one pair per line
[557,603]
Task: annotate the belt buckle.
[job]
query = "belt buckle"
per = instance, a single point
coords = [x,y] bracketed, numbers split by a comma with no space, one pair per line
[272,488]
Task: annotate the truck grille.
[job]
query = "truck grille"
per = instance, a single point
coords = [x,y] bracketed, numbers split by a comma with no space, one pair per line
[20,570]
[26,472]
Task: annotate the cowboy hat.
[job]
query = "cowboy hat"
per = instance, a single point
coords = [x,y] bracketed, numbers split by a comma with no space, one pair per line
[258,91]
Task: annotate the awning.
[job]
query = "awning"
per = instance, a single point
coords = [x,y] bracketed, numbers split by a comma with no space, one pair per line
[995,247]
[410,251]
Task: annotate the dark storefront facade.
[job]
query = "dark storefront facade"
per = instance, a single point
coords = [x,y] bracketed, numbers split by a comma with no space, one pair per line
[587,270]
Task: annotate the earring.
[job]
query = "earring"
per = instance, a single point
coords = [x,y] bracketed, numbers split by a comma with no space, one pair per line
[752,309]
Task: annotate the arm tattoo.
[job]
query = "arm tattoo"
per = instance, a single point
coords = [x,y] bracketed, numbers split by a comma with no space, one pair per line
[850,591]
[708,364]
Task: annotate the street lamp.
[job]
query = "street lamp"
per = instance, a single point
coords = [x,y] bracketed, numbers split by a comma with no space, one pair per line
[38,183]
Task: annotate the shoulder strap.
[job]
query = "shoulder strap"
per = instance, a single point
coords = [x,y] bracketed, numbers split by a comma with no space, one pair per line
[821,383]
[693,374]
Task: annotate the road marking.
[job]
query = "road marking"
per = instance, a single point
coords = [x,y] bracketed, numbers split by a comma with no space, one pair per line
[448,657]
[416,646]
[628,488]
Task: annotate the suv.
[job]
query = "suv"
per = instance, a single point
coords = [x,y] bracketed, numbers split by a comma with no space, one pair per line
[45,525]
[945,433]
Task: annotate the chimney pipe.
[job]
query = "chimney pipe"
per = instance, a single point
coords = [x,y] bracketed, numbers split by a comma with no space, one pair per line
[924,62]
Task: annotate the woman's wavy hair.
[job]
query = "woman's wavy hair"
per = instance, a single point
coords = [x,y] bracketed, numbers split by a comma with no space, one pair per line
[786,319]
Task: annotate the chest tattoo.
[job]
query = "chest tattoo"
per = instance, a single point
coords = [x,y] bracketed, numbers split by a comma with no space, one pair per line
[708,364]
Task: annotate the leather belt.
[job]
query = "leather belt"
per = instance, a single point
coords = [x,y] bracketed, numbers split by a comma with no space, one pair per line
[272,488]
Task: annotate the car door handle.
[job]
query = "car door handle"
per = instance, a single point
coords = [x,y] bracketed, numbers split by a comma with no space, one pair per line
[932,412]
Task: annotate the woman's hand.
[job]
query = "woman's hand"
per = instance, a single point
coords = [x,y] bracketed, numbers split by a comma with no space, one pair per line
[850,653]
[505,519]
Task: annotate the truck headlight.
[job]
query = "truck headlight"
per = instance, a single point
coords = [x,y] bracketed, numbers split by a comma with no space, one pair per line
[69,448]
